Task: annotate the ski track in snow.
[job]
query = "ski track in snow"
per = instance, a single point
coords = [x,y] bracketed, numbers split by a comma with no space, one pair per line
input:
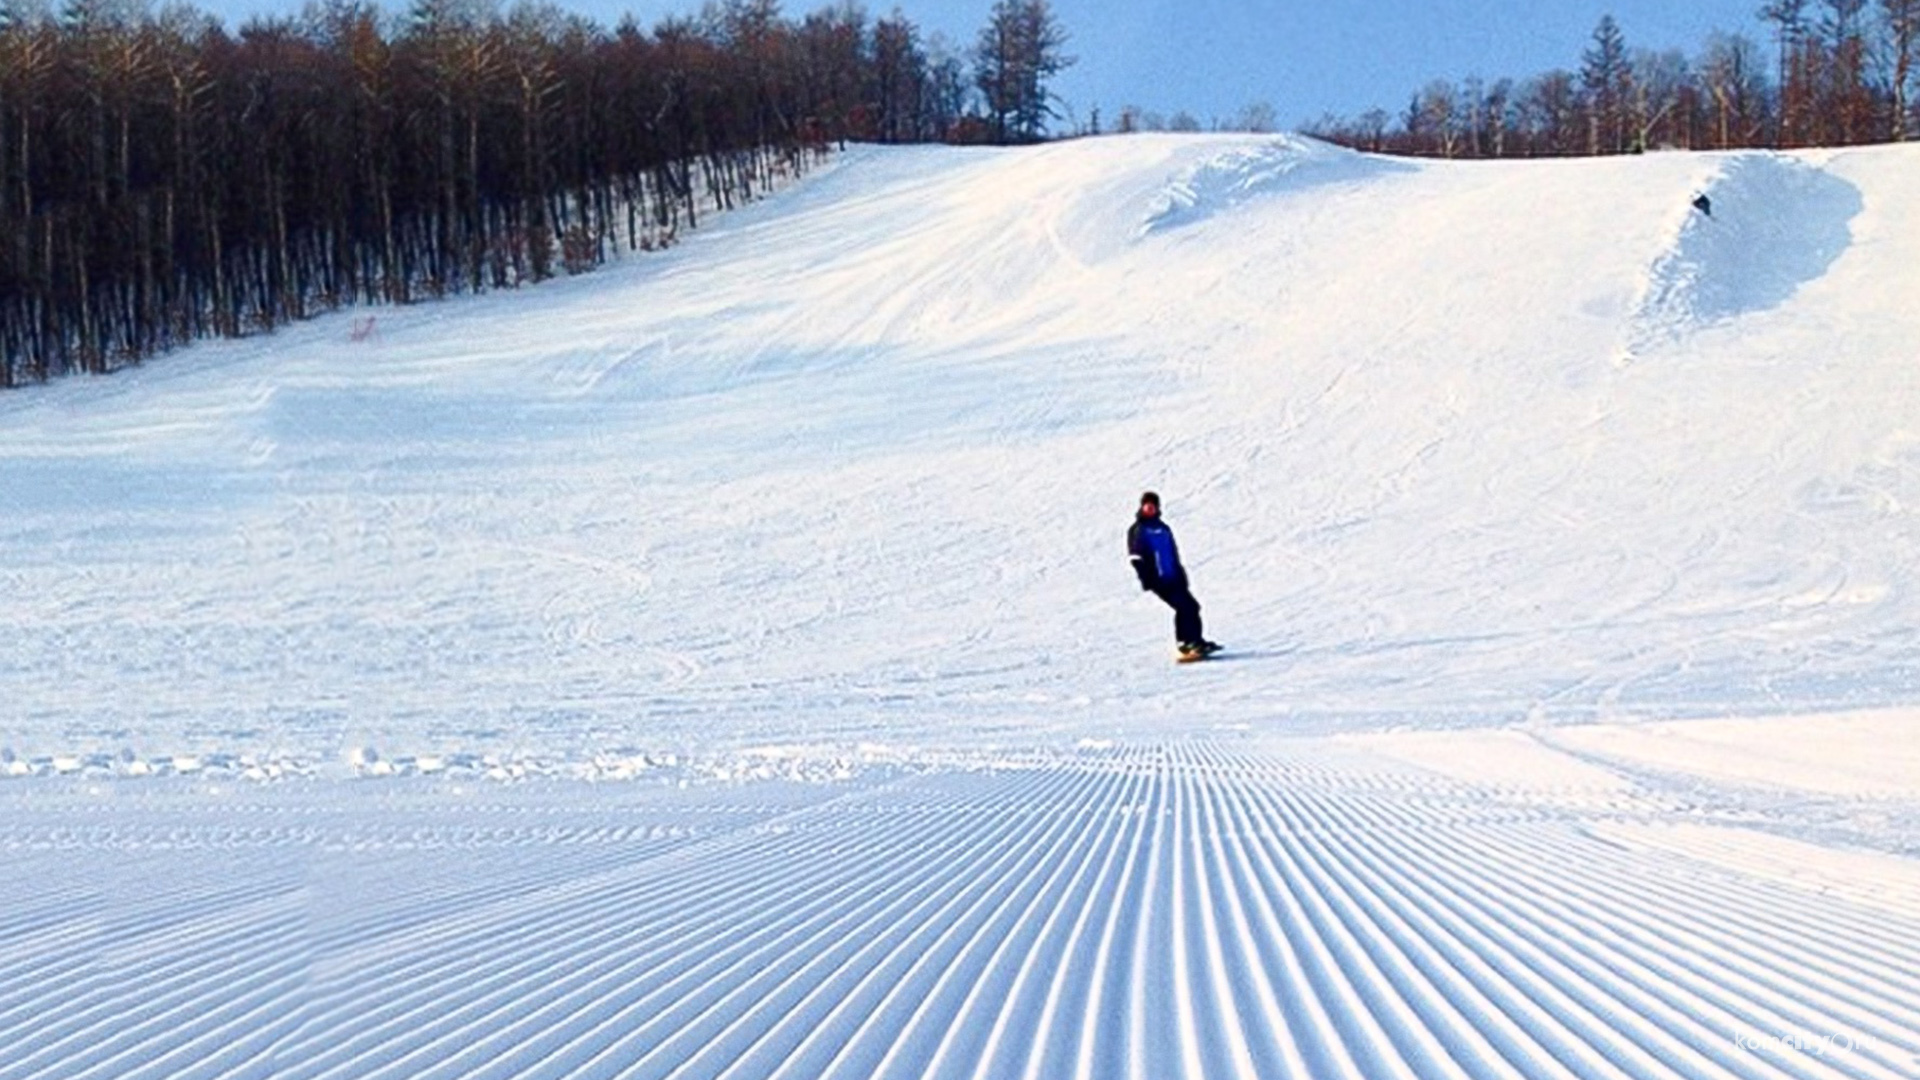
[1194,909]
[724,665]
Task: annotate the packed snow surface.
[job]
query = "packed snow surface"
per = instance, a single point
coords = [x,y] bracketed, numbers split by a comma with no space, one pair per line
[726,664]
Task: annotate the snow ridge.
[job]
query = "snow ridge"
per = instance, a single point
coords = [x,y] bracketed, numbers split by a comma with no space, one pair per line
[1243,174]
[1771,224]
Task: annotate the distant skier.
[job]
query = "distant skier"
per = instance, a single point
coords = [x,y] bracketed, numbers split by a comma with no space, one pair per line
[1156,559]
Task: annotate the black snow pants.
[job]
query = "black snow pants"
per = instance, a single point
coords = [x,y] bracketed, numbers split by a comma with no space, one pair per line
[1186,611]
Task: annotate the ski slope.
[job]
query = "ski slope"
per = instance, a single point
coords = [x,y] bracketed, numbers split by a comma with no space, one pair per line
[726,664]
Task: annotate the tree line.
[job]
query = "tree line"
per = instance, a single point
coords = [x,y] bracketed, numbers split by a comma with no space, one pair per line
[164,180]
[1840,72]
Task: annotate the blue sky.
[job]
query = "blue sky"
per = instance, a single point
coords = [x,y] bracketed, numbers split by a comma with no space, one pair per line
[1212,57]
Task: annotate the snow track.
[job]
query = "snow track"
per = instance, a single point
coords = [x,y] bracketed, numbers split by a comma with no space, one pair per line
[1190,909]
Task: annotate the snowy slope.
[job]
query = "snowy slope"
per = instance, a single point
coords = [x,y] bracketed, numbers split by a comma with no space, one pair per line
[1472,440]
[802,542]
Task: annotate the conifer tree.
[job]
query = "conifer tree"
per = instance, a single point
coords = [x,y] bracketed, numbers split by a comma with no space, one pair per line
[1018,51]
[1606,79]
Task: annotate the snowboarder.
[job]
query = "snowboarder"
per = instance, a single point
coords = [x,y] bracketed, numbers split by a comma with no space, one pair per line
[1156,559]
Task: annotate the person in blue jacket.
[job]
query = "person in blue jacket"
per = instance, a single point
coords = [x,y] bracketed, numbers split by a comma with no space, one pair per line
[1156,559]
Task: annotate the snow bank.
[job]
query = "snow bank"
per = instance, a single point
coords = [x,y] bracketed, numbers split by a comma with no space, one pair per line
[1859,755]
[1508,759]
[1774,223]
[1243,174]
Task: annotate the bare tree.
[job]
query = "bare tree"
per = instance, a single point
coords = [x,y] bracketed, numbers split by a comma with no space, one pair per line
[1663,100]
[1844,103]
[1731,73]
[1903,46]
[1373,128]
[1792,35]
[1496,112]
[1549,108]
[1434,120]
[899,80]
[832,56]
[1259,117]
[946,92]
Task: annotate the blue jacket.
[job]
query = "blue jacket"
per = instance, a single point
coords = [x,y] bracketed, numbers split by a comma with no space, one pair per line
[1156,558]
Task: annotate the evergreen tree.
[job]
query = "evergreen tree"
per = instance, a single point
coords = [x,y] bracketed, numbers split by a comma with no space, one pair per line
[1606,79]
[1018,51]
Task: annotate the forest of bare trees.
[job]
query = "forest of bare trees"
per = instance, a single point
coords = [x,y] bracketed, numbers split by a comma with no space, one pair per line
[163,179]
[1839,72]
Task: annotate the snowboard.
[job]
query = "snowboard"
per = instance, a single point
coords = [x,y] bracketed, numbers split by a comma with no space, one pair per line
[1196,657]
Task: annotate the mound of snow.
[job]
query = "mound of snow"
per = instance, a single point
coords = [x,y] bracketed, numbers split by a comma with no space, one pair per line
[1240,174]
[1775,223]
